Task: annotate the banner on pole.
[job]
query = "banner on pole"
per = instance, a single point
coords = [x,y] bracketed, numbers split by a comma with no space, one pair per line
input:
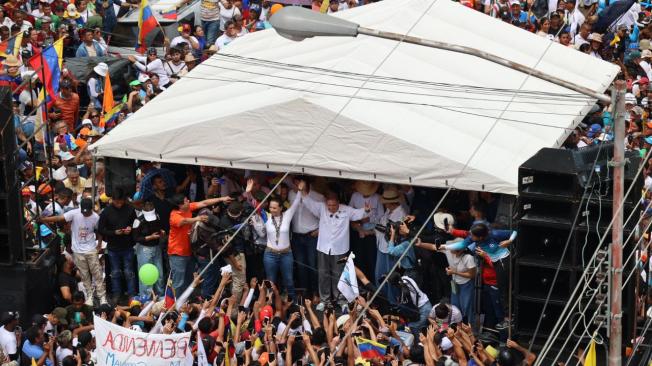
[118,346]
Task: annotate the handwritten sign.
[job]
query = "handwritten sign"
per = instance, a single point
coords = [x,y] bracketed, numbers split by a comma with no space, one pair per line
[118,346]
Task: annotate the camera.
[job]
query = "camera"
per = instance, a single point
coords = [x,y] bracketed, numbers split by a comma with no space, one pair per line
[387,228]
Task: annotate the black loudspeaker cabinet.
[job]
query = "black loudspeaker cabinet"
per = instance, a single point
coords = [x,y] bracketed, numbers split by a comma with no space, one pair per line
[120,173]
[10,214]
[28,290]
[555,187]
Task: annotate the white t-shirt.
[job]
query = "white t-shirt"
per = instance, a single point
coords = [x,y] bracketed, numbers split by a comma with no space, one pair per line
[8,341]
[62,353]
[179,39]
[223,40]
[334,231]
[83,230]
[304,221]
[227,14]
[463,263]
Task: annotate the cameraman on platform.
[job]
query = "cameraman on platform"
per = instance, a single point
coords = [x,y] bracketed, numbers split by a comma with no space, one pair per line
[231,220]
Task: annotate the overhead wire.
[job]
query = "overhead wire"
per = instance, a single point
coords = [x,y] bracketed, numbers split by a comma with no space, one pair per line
[384,101]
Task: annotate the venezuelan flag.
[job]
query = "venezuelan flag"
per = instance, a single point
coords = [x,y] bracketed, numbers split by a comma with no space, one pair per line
[370,349]
[11,46]
[170,14]
[111,115]
[48,62]
[170,297]
[146,24]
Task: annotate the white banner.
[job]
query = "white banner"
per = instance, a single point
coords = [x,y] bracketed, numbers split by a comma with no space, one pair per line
[118,346]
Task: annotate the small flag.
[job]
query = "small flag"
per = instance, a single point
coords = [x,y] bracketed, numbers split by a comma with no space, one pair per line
[370,349]
[590,358]
[202,360]
[170,297]
[146,24]
[107,102]
[111,116]
[11,46]
[348,283]
[170,13]
[48,63]
[324,6]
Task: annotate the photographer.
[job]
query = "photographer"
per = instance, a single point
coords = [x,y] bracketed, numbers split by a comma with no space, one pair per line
[413,300]
[408,263]
[384,261]
[234,216]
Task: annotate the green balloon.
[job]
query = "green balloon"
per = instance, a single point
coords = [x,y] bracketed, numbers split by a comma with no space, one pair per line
[148,274]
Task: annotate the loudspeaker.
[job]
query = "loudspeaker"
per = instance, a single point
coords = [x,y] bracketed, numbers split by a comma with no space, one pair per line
[10,213]
[30,290]
[120,173]
[555,187]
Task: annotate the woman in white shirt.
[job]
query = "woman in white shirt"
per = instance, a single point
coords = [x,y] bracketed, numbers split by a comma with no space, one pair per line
[278,254]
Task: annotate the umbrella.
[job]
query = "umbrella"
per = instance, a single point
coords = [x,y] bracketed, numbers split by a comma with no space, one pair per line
[611,14]
[146,188]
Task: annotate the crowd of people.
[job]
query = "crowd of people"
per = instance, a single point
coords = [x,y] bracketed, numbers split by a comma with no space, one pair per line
[253,261]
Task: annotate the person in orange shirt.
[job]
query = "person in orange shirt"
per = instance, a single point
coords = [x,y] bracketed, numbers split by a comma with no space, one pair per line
[179,250]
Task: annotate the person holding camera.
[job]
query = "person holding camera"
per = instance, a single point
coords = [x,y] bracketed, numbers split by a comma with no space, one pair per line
[236,253]
[394,212]
[408,264]
[413,301]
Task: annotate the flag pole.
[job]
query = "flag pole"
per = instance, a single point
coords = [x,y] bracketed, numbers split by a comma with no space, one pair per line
[47,127]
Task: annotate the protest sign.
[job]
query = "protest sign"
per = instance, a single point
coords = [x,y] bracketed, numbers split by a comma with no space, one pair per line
[118,346]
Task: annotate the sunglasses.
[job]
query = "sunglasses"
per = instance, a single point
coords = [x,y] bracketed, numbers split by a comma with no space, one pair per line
[95,116]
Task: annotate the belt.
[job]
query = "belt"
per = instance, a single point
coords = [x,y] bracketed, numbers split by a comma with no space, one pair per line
[277,251]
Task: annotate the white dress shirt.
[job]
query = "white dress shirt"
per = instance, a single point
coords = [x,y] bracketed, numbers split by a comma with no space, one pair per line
[283,240]
[304,221]
[397,215]
[333,227]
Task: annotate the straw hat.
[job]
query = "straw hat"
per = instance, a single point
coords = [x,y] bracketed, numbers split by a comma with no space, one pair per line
[366,188]
[12,61]
[390,195]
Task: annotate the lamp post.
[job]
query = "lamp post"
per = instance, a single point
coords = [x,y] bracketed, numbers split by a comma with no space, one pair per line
[297,23]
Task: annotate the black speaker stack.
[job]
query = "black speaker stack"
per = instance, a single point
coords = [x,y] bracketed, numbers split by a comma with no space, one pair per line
[120,173]
[24,287]
[554,186]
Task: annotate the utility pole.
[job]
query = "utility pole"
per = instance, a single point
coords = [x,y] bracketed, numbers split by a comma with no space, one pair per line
[618,163]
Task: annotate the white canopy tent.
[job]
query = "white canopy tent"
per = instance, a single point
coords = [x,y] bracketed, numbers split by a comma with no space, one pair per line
[271,104]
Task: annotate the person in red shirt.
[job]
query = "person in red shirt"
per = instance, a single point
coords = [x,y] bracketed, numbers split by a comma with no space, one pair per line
[493,306]
[179,250]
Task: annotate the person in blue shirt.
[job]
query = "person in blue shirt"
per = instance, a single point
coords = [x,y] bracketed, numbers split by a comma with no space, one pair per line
[409,262]
[496,244]
[36,347]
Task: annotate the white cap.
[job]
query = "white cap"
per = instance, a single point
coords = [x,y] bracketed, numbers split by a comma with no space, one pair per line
[446,344]
[630,98]
[143,78]
[87,122]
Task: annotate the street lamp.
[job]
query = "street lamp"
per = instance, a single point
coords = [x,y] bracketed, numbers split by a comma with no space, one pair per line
[297,23]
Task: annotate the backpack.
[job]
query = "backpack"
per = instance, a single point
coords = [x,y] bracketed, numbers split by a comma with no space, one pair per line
[406,308]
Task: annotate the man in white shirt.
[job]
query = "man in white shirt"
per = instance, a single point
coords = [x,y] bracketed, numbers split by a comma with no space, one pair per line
[9,339]
[363,242]
[573,17]
[332,242]
[85,247]
[305,228]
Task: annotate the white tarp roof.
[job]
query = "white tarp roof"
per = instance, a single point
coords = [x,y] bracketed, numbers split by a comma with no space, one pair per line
[235,110]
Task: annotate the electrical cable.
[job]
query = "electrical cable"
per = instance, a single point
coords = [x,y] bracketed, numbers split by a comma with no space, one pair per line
[557,326]
[563,254]
[383,100]
[554,101]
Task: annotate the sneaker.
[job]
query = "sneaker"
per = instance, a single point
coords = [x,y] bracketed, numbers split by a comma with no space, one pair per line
[320,307]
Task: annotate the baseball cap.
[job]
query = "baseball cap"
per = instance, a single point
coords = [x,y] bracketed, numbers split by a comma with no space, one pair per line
[86,206]
[61,314]
[8,316]
[38,320]
[185,27]
[235,208]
